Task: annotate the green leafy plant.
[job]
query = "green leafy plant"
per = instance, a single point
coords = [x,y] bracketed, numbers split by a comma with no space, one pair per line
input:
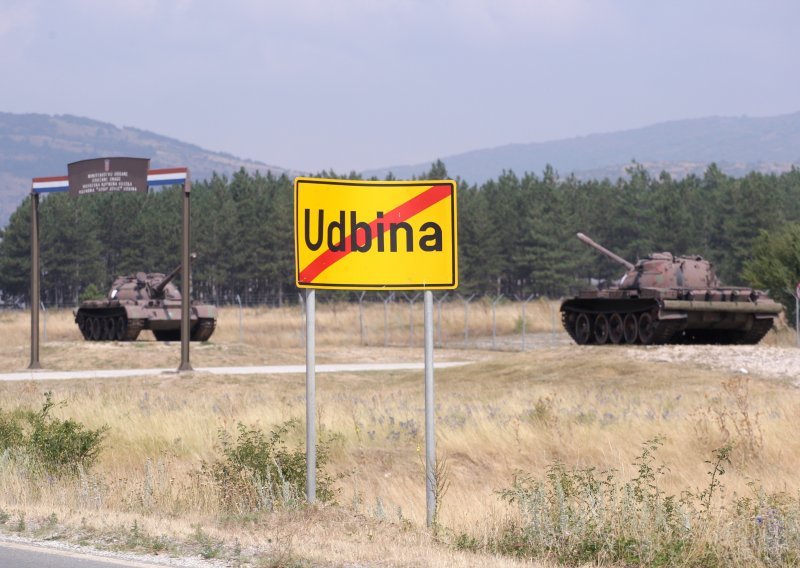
[581,516]
[259,471]
[91,292]
[59,447]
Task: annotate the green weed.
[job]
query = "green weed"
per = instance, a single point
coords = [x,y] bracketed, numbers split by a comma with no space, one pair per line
[579,516]
[58,447]
[260,472]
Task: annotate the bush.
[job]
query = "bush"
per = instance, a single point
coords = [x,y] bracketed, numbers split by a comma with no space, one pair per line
[59,447]
[91,292]
[258,471]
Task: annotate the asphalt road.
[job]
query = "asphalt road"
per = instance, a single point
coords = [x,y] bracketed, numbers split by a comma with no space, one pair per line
[22,555]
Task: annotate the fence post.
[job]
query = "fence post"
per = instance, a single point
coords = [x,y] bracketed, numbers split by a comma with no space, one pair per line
[439,302]
[239,300]
[524,319]
[411,317]
[361,316]
[44,331]
[302,304]
[386,301]
[494,320]
[466,318]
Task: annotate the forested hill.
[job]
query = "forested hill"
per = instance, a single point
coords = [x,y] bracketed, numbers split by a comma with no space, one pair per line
[737,145]
[34,145]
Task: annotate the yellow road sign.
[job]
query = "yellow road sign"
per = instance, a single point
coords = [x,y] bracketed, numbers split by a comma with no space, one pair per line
[365,235]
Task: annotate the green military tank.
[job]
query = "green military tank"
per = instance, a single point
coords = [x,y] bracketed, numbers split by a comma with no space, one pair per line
[143,301]
[665,298]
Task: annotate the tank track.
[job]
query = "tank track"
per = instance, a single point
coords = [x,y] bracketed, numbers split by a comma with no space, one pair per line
[203,329]
[200,331]
[570,329]
[668,331]
[759,329]
[112,325]
[663,330]
[134,327]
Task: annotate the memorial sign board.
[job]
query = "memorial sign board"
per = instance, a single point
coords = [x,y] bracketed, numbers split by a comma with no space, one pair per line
[108,175]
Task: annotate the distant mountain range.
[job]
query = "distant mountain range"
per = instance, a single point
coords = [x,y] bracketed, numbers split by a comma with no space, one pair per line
[34,145]
[736,144]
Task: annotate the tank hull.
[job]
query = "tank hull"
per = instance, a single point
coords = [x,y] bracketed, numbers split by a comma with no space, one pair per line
[662,317]
[123,321]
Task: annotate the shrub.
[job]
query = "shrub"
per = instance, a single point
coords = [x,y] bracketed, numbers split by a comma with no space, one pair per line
[91,292]
[258,471]
[59,447]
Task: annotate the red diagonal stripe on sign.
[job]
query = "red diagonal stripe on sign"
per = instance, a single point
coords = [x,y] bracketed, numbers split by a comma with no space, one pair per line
[403,212]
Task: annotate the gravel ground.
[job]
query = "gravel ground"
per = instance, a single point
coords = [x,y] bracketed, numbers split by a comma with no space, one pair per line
[763,361]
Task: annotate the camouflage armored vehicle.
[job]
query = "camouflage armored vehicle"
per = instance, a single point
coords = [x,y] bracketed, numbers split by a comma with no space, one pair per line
[667,299]
[143,301]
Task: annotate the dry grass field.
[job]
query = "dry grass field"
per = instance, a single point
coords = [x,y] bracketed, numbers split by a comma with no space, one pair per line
[504,413]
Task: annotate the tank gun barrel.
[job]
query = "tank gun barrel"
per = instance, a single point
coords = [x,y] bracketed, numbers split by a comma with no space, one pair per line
[158,289]
[615,257]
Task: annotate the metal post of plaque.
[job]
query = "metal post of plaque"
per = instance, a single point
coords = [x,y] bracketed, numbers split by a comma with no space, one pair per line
[185,278]
[35,284]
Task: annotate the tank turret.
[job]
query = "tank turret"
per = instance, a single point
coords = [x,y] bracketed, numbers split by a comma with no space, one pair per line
[661,270]
[157,290]
[143,301]
[664,298]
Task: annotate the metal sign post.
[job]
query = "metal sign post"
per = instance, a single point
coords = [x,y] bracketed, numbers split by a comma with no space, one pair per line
[311,403]
[430,434]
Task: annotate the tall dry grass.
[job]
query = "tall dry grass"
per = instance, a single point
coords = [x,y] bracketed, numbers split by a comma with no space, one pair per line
[396,322]
[503,413]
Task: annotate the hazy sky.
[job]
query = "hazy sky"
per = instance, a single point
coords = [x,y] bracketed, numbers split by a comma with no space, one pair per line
[356,84]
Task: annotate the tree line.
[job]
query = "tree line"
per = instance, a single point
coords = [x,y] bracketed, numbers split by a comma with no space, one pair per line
[516,233]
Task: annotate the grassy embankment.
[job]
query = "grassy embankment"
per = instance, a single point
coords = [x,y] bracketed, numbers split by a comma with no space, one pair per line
[504,413]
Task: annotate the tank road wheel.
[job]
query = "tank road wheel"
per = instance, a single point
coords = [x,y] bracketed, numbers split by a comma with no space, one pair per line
[583,329]
[630,328]
[83,326]
[203,329]
[96,327]
[647,328]
[109,329]
[120,328]
[616,329]
[601,329]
